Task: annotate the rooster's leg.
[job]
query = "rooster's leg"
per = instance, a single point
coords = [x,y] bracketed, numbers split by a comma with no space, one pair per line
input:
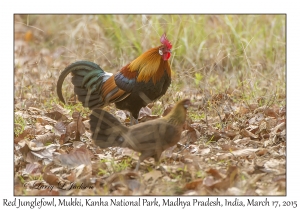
[137,165]
[133,121]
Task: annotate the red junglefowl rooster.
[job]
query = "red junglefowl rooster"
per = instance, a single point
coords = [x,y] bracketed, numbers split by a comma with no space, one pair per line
[149,138]
[140,82]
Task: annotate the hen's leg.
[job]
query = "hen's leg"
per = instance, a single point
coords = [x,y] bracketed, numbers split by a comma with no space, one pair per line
[143,156]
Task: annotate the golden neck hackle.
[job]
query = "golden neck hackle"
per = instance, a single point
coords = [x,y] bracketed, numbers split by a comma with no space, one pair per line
[150,65]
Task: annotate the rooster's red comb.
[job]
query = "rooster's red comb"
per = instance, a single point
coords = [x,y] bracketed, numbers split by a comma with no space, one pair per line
[165,41]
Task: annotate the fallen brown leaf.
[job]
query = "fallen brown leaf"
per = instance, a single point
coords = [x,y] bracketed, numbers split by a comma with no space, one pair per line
[45,138]
[193,184]
[75,158]
[145,111]
[152,175]
[246,133]
[238,153]
[56,116]
[215,173]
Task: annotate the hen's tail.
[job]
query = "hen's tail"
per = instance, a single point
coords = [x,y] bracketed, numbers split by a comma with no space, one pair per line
[88,79]
[107,131]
